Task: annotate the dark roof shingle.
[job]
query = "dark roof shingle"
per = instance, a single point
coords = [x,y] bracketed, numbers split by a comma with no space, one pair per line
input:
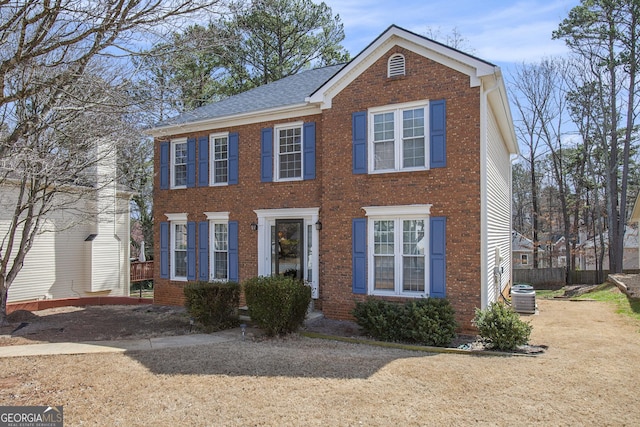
[291,90]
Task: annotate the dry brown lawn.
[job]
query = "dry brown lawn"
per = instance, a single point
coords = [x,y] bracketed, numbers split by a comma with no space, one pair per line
[588,376]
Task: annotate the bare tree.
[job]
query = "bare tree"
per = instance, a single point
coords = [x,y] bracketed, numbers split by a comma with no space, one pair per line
[62,110]
[605,34]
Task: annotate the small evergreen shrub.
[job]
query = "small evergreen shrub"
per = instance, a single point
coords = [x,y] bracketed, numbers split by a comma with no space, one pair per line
[214,305]
[278,304]
[502,327]
[379,318]
[429,321]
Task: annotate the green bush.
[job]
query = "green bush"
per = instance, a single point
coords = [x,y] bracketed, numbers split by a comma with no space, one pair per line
[278,304]
[214,305]
[502,327]
[429,321]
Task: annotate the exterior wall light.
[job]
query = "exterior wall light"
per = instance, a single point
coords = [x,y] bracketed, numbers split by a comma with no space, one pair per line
[254,226]
[318,225]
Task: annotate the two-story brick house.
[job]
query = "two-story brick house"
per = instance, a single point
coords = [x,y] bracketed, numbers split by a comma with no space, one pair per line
[388,176]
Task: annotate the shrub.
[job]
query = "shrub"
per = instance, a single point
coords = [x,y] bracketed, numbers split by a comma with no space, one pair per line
[278,304]
[502,327]
[214,305]
[429,321]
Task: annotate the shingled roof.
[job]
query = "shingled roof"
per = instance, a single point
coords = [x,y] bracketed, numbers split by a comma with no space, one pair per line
[292,90]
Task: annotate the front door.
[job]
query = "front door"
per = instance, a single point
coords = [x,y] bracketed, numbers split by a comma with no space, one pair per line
[287,243]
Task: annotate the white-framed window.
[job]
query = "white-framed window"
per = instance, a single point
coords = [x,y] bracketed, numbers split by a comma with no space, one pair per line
[288,152]
[397,137]
[218,245]
[219,250]
[524,259]
[219,150]
[396,65]
[179,163]
[178,250]
[398,250]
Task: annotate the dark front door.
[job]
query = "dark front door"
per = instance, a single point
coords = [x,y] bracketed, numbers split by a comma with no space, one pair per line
[288,246]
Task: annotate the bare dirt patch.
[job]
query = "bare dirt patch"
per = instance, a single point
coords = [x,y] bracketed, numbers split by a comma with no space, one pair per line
[93,323]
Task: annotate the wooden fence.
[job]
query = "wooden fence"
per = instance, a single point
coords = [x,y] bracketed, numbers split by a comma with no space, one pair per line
[555,278]
[141,271]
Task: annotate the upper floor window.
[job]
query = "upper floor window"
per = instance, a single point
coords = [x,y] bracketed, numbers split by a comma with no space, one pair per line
[219,159]
[398,138]
[396,65]
[289,152]
[179,163]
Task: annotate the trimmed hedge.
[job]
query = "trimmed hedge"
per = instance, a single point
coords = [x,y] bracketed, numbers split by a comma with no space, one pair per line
[429,321]
[278,304]
[214,305]
[502,327]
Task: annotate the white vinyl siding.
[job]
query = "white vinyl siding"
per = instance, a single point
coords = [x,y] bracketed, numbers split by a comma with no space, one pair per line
[62,264]
[498,208]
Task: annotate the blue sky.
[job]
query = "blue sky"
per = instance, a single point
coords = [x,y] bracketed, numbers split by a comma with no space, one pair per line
[498,31]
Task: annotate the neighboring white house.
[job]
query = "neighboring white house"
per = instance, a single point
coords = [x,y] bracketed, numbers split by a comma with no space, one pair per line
[586,256]
[81,251]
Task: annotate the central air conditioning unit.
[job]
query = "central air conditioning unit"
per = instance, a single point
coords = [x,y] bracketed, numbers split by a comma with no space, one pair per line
[523,299]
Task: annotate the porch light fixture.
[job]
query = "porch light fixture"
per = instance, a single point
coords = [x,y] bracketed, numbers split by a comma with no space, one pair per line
[254,226]
[318,225]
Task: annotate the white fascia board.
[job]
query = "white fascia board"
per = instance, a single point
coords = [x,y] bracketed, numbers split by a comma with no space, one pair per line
[273,114]
[448,57]
[498,101]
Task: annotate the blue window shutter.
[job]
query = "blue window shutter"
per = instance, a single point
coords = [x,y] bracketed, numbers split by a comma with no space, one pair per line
[203,251]
[164,165]
[437,133]
[438,257]
[191,250]
[203,161]
[266,166]
[233,157]
[359,137]
[234,275]
[164,250]
[359,255]
[191,162]
[309,140]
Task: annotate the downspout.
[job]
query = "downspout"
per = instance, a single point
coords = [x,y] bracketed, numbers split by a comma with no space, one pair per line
[484,234]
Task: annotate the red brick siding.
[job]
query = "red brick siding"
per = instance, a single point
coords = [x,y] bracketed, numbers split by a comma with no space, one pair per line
[454,191]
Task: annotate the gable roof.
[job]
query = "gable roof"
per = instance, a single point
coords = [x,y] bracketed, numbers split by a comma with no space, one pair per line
[311,91]
[394,35]
[291,91]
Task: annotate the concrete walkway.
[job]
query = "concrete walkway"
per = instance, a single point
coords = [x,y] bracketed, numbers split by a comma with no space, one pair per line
[119,346]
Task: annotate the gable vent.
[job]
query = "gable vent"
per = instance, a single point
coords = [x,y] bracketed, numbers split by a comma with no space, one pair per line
[396,65]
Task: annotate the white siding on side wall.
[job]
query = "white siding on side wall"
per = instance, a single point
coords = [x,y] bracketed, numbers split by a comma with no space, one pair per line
[498,200]
[59,264]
